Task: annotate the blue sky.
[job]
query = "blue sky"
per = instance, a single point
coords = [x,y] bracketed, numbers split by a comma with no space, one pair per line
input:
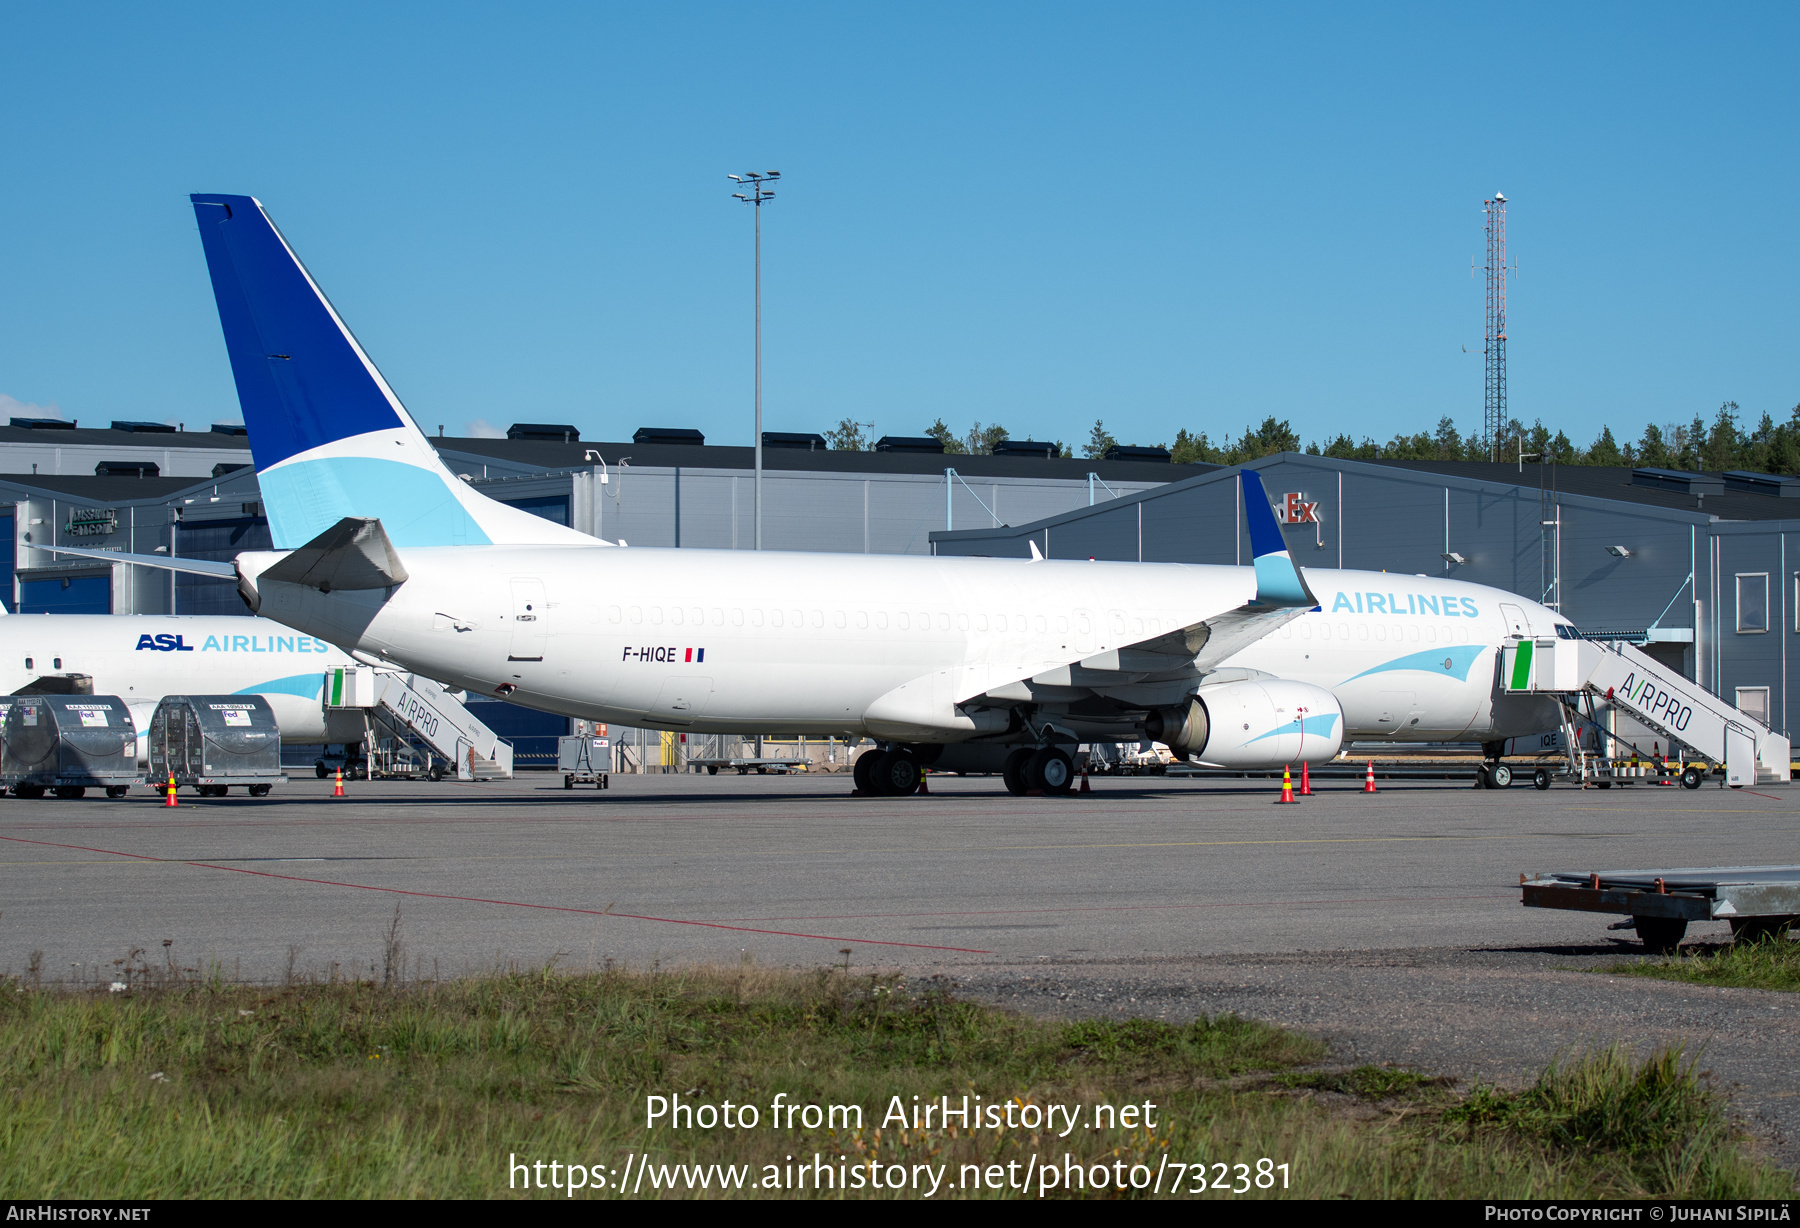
[1034,214]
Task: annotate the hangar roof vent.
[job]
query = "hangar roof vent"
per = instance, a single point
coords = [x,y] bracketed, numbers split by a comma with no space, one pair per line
[127,469]
[230,428]
[1762,484]
[1025,447]
[909,443]
[554,432]
[669,434]
[1685,481]
[795,439]
[143,428]
[43,424]
[1131,452]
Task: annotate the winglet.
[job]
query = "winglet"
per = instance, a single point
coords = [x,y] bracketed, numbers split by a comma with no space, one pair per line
[1279,581]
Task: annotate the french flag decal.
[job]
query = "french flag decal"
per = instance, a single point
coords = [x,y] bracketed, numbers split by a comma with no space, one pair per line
[696,655]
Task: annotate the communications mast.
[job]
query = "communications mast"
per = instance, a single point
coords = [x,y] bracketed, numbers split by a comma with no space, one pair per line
[1493,414]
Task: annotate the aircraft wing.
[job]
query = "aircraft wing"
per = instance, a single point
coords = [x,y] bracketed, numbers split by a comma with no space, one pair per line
[1187,653]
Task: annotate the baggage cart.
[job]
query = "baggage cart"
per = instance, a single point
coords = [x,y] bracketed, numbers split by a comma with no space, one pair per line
[68,744]
[584,759]
[1758,901]
[211,742]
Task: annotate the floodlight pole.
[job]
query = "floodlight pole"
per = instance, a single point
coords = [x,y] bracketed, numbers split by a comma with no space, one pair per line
[754,180]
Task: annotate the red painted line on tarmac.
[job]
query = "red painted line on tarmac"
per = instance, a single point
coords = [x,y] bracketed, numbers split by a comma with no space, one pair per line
[471,899]
[1770,796]
[1038,912]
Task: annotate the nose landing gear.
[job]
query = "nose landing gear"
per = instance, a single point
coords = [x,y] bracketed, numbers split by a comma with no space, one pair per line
[887,773]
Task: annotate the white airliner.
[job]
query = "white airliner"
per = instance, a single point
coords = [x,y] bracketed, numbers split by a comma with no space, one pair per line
[383,551]
[143,657]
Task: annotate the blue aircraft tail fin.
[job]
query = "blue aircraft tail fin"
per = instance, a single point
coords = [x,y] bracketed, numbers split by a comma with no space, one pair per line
[1279,581]
[329,437]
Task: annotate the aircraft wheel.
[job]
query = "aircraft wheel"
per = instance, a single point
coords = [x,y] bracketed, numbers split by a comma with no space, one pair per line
[1052,771]
[1692,778]
[259,790]
[1760,929]
[1661,934]
[862,772]
[1541,778]
[1013,771]
[117,790]
[899,776]
[1499,776]
[70,792]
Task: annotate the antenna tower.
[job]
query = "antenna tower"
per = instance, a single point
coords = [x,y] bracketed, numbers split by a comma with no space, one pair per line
[1493,414]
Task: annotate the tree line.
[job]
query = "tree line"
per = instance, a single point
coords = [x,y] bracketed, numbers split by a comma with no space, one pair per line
[1767,447]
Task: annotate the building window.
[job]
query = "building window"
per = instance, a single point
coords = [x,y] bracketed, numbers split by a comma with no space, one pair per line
[1752,602]
[1754,701]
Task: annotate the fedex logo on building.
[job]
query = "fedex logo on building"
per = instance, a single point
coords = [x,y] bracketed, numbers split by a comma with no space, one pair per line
[1294,509]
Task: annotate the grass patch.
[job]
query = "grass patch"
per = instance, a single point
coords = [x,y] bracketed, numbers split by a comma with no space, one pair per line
[196,1088]
[1664,1129]
[1773,963]
[1366,1082]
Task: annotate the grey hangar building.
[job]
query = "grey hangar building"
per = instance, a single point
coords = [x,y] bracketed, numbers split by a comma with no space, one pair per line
[1692,566]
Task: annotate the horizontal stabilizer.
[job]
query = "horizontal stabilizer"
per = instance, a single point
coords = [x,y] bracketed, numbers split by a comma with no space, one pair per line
[198,567]
[354,553]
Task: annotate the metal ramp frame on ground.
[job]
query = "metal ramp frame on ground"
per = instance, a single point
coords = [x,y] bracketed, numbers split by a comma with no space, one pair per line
[1614,672]
[419,709]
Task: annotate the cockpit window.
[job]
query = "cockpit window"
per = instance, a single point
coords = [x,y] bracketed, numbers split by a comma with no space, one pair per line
[1567,631]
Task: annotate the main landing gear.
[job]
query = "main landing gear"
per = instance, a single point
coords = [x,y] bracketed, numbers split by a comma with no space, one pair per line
[1046,769]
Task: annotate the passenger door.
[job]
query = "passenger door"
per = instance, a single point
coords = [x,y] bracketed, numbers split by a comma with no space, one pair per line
[1515,620]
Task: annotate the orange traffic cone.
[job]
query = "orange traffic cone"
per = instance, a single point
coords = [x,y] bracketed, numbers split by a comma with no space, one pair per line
[1369,780]
[1305,781]
[1287,786]
[171,801]
[924,790]
[338,791]
[1084,784]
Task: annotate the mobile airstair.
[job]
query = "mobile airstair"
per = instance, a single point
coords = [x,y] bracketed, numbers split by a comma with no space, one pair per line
[413,708]
[1612,672]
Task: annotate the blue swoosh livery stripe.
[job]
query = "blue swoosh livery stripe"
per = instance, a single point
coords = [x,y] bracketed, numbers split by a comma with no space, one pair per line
[1460,658]
[307,686]
[1328,721]
[415,506]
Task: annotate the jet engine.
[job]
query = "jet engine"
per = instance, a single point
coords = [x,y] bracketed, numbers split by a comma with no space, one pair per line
[1263,723]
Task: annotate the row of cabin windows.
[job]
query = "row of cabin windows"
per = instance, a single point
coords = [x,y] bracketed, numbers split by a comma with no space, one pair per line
[880,620]
[925,620]
[55,663]
[1303,629]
